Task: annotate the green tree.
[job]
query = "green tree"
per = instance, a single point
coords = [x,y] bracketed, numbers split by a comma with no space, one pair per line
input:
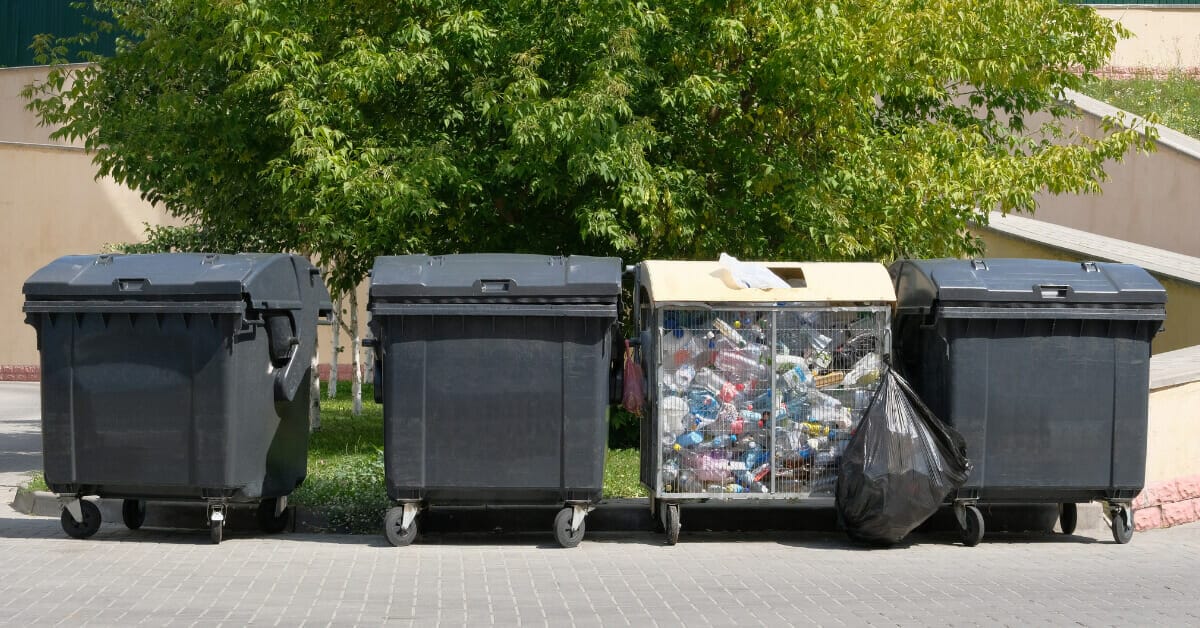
[675,128]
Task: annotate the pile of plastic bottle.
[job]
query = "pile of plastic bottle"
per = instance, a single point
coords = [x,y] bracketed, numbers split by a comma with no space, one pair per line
[719,422]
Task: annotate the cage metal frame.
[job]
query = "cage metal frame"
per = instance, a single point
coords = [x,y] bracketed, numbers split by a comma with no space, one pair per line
[882,314]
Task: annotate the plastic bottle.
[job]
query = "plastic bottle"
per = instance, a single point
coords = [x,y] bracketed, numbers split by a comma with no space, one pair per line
[673,409]
[690,352]
[709,379]
[813,428]
[703,404]
[727,330]
[704,466]
[731,393]
[689,439]
[740,366]
[865,371]
[755,458]
[684,376]
[798,378]
[670,472]
[688,483]
[720,442]
[750,416]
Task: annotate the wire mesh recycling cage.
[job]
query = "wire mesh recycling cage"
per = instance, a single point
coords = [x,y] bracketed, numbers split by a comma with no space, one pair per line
[754,393]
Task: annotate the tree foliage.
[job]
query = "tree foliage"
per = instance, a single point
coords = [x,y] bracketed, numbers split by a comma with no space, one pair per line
[865,129]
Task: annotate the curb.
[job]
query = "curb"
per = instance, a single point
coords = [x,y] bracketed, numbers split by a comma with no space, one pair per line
[613,515]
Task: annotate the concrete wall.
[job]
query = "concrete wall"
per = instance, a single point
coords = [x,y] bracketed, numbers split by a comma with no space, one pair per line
[1163,38]
[1172,493]
[1174,433]
[1149,199]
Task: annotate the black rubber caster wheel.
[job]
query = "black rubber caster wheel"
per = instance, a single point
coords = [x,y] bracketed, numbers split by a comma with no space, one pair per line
[133,513]
[216,531]
[397,536]
[1122,524]
[671,523]
[563,533]
[1068,517]
[972,533]
[81,529]
[656,514]
[267,521]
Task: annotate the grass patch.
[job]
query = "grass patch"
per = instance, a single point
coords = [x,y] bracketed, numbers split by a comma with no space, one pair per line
[621,474]
[1175,99]
[37,482]
[345,466]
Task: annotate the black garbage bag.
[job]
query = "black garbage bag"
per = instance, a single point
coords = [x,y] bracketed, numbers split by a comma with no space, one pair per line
[899,466]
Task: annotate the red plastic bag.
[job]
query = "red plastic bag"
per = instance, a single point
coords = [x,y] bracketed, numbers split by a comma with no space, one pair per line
[633,398]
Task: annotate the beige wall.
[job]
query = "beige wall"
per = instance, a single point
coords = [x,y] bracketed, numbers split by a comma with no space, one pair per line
[1149,199]
[1162,38]
[52,205]
[1173,437]
[16,123]
[1182,328]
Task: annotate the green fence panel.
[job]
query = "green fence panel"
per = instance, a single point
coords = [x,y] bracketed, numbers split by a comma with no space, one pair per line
[21,20]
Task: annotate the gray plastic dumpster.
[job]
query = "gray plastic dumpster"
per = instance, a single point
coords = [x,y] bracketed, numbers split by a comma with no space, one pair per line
[495,382]
[175,377]
[1043,367]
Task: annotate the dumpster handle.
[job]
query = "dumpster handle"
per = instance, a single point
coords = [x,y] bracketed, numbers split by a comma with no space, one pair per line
[1053,291]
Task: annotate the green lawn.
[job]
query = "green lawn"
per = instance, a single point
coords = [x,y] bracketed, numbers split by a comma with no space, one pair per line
[1175,99]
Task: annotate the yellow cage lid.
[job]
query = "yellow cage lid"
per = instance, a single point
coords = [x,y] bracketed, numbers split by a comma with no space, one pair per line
[812,282]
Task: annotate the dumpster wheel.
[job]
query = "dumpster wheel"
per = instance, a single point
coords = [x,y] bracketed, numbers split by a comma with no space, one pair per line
[1122,523]
[394,530]
[671,523]
[1068,517]
[563,533]
[88,524]
[133,513]
[216,521]
[972,529]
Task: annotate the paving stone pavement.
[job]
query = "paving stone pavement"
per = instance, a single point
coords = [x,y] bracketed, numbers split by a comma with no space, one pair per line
[176,577]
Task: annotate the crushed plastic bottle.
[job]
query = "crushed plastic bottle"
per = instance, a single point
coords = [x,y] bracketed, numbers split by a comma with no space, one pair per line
[703,404]
[727,330]
[865,371]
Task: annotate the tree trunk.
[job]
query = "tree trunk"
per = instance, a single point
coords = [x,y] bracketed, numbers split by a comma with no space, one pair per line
[357,347]
[337,347]
[314,389]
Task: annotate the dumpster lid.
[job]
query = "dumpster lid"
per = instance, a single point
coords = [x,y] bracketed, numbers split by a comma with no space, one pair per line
[920,282]
[267,281]
[495,276]
[815,282]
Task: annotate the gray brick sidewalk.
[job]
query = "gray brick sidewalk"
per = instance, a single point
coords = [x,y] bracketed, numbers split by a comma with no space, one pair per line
[178,578]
